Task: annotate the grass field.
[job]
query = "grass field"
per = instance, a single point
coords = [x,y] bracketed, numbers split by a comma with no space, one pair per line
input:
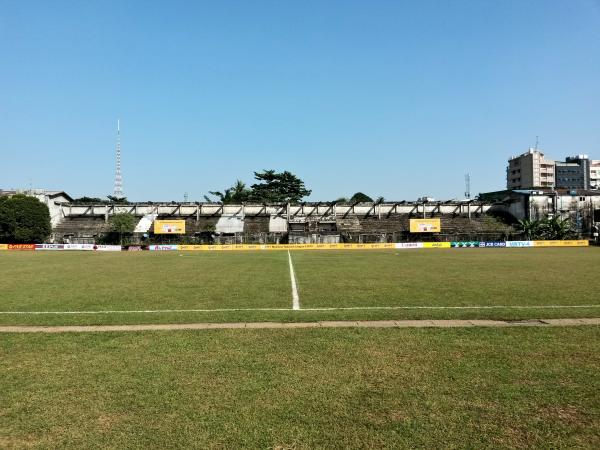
[108,288]
[334,388]
[238,286]
[309,388]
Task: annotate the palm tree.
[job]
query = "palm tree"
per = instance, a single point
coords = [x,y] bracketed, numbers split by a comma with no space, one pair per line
[529,228]
[557,228]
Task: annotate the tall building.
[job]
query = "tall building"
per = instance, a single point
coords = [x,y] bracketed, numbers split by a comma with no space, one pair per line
[529,171]
[574,173]
[594,173]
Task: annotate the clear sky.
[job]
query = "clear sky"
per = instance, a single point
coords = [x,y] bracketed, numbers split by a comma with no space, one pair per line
[393,98]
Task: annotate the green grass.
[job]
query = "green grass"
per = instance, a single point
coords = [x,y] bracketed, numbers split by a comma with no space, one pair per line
[315,388]
[81,281]
[49,281]
[455,277]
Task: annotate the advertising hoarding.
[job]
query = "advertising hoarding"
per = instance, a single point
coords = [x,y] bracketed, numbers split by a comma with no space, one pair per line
[163,247]
[169,227]
[87,247]
[425,226]
[569,243]
[436,244]
[107,248]
[21,246]
[405,245]
[461,244]
[49,246]
[516,244]
[492,244]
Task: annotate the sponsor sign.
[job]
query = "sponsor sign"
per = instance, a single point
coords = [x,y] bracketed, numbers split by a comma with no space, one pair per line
[436,244]
[406,245]
[134,248]
[514,244]
[21,246]
[163,247]
[425,226]
[49,247]
[226,247]
[461,244]
[169,227]
[107,248]
[3,246]
[492,244]
[580,243]
[87,247]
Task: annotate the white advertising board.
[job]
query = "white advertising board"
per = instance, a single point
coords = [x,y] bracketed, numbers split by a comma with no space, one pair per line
[108,248]
[163,247]
[409,245]
[519,243]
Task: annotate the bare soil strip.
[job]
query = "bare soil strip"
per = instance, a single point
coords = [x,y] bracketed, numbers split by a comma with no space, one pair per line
[288,325]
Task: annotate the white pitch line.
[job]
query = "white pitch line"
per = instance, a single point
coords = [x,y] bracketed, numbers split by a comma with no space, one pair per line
[348,308]
[295,296]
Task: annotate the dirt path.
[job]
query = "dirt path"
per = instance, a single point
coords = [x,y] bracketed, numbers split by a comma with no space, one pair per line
[322,324]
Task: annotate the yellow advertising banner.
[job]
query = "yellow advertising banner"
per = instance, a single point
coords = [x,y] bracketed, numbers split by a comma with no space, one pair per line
[576,243]
[3,246]
[169,227]
[425,226]
[436,244]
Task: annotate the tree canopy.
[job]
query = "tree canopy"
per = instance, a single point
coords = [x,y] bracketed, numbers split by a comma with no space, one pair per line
[360,197]
[272,187]
[24,219]
[99,201]
[554,228]
[122,223]
[236,194]
[118,200]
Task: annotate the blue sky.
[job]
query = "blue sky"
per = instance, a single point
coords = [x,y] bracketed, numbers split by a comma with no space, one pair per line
[392,98]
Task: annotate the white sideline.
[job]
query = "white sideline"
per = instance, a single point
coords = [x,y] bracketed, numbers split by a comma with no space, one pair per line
[348,308]
[295,296]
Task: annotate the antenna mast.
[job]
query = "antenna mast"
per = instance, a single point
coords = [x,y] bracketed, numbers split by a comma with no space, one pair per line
[468,186]
[118,190]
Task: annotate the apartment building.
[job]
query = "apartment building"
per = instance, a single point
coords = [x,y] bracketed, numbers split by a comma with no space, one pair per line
[574,173]
[594,173]
[530,170]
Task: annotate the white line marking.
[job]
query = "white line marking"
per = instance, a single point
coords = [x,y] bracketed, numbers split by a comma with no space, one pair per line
[295,296]
[349,308]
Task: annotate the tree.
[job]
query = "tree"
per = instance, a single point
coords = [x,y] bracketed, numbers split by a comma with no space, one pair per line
[117,200]
[238,193]
[89,200]
[360,197]
[277,187]
[529,228]
[122,223]
[24,219]
[554,228]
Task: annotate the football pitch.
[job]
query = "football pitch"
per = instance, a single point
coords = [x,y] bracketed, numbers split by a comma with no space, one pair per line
[54,288]
[300,388]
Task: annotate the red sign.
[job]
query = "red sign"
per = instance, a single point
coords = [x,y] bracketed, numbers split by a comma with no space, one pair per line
[21,246]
